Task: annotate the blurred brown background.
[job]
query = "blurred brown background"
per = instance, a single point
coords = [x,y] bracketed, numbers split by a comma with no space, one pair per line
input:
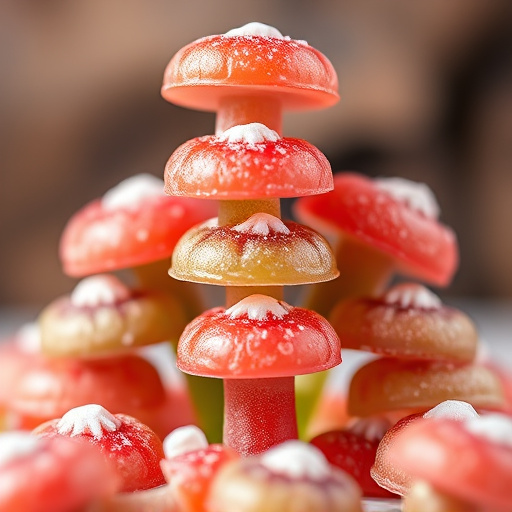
[426,94]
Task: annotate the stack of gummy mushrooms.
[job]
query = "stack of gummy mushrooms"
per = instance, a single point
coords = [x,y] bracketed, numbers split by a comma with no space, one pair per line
[110,431]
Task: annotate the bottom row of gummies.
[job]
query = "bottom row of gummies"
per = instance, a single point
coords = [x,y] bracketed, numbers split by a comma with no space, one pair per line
[94,461]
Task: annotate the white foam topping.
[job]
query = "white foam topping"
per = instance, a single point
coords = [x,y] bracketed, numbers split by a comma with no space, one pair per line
[255,29]
[452,410]
[131,191]
[296,459]
[371,429]
[88,419]
[28,338]
[262,224]
[258,307]
[183,440]
[496,428]
[99,290]
[412,295]
[16,444]
[250,134]
[417,196]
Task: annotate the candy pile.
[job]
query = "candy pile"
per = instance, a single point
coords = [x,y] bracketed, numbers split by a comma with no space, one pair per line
[108,428]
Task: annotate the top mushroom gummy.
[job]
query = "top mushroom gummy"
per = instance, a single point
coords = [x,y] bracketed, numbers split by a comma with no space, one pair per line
[248,76]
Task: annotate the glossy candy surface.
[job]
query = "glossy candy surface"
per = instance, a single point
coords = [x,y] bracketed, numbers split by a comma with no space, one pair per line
[360,209]
[131,447]
[261,251]
[256,342]
[212,167]
[389,384]
[202,73]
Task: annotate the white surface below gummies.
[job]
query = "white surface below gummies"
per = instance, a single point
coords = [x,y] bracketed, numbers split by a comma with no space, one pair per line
[130,192]
[496,428]
[296,459]
[417,196]
[88,419]
[452,410]
[183,440]
[16,444]
[258,307]
[99,290]
[412,295]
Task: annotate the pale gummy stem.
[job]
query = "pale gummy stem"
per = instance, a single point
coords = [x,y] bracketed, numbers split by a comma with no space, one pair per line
[258,307]
[16,444]
[99,290]
[131,192]
[452,410]
[262,224]
[412,295]
[183,440]
[417,196]
[296,459]
[88,419]
[250,134]
[255,29]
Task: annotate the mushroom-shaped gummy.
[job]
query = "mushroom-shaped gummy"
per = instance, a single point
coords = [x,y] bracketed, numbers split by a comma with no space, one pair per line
[261,251]
[291,477]
[247,162]
[257,346]
[103,315]
[388,384]
[469,460]
[132,448]
[253,69]
[391,476]
[39,475]
[383,226]
[408,321]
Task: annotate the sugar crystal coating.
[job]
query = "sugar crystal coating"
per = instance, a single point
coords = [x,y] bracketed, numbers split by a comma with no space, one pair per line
[412,295]
[496,428]
[372,429]
[99,290]
[255,29]
[250,134]
[452,409]
[183,440]
[417,196]
[258,307]
[88,419]
[262,224]
[16,444]
[130,192]
[296,459]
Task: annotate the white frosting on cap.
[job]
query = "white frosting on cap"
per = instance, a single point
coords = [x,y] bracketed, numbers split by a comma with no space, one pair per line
[250,134]
[296,459]
[16,444]
[371,429]
[130,192]
[99,290]
[255,29]
[258,307]
[452,410]
[412,295]
[417,196]
[262,224]
[28,338]
[183,440]
[496,428]
[88,419]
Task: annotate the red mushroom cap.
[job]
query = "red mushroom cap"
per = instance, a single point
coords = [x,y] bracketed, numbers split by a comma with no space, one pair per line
[258,337]
[110,235]
[208,69]
[247,162]
[360,208]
